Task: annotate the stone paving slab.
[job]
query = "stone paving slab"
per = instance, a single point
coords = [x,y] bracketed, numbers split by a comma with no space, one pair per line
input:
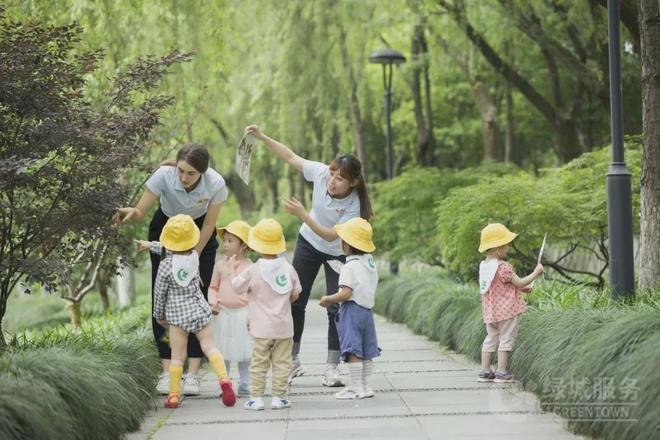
[422,392]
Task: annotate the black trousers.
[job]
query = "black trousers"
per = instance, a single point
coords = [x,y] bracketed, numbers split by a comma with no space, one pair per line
[206,263]
[307,262]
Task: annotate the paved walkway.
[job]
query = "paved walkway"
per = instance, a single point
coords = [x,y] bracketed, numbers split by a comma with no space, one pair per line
[421,393]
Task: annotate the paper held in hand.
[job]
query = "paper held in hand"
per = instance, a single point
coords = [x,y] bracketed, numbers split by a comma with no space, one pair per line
[243,156]
[545,237]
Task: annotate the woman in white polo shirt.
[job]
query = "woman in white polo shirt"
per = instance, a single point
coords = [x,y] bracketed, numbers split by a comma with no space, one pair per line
[340,194]
[185,186]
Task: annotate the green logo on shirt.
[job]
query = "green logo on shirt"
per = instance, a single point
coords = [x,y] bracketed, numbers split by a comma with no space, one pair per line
[281,280]
[371,262]
[182,274]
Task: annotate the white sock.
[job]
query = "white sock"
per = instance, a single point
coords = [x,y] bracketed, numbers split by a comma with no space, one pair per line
[355,372]
[244,372]
[227,366]
[367,371]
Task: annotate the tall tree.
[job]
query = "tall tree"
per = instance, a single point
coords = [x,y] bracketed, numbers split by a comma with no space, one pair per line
[649,252]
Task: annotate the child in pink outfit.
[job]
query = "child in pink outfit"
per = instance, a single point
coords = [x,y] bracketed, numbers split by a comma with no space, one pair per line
[230,306]
[272,285]
[501,301]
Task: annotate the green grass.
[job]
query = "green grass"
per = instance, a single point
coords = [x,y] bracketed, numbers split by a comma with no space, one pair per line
[570,336]
[40,309]
[94,382]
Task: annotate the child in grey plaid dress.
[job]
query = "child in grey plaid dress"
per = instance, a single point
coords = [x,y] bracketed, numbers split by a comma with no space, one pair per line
[180,306]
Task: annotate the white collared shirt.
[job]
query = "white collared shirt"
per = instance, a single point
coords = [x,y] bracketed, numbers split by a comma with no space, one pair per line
[326,210]
[174,199]
[360,274]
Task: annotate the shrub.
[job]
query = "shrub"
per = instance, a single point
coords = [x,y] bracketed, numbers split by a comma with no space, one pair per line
[96,382]
[404,222]
[569,203]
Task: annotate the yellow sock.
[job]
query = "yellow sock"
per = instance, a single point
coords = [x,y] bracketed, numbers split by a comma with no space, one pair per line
[176,371]
[218,363]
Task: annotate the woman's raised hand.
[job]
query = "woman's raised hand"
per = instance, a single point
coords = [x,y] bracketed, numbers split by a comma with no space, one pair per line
[293,206]
[254,131]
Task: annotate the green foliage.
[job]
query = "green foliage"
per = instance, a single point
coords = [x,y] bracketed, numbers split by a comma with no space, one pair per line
[568,203]
[404,224]
[94,383]
[569,334]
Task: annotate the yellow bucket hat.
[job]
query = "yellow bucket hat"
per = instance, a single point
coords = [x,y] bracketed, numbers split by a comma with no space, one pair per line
[239,228]
[495,235]
[180,233]
[266,237]
[358,233]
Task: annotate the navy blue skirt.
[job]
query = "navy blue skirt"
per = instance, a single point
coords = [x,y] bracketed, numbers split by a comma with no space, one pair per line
[357,331]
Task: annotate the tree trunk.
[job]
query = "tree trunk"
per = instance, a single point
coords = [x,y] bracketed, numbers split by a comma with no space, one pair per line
[74,313]
[103,282]
[125,282]
[243,193]
[423,118]
[490,127]
[568,145]
[356,116]
[649,246]
[509,137]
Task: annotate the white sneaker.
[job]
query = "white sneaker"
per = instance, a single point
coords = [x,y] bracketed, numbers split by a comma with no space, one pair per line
[348,394]
[254,404]
[190,385]
[296,369]
[366,392]
[163,385]
[332,377]
[279,403]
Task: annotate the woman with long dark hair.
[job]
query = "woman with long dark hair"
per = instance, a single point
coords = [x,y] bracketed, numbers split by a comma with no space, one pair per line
[189,186]
[340,193]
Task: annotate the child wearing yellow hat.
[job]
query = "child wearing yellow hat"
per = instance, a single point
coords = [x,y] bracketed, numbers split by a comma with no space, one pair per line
[501,301]
[355,320]
[272,285]
[180,305]
[229,305]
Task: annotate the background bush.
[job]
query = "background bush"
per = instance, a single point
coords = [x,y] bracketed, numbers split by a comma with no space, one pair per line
[435,216]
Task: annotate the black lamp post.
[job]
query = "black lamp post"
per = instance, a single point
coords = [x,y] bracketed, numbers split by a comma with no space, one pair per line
[387,57]
[619,198]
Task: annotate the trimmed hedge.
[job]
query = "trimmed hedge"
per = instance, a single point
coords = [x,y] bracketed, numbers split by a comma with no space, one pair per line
[572,354]
[94,383]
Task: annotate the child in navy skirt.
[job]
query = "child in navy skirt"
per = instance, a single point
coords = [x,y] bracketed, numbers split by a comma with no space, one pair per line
[355,321]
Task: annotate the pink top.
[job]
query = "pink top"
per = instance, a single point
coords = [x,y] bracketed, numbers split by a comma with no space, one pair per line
[502,300]
[269,312]
[221,289]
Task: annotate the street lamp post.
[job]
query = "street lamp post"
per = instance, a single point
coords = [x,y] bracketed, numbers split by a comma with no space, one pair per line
[619,199]
[388,57]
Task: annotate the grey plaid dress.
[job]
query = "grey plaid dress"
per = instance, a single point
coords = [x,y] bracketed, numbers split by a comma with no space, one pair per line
[184,307]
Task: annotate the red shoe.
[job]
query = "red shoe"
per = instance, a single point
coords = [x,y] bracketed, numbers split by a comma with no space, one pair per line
[172,401]
[228,395]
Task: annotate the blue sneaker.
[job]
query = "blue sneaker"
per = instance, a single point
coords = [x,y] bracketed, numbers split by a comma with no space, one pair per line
[486,376]
[503,377]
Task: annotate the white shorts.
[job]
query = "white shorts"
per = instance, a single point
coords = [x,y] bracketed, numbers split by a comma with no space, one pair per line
[231,335]
[501,335]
